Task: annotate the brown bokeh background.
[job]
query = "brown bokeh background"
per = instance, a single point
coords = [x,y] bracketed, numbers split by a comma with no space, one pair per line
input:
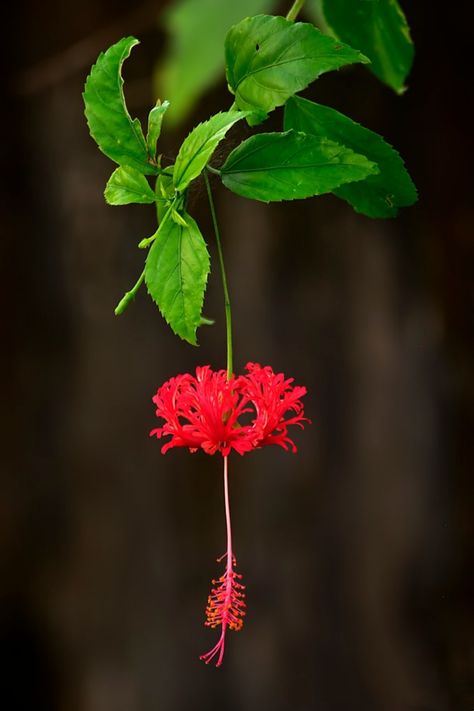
[356,551]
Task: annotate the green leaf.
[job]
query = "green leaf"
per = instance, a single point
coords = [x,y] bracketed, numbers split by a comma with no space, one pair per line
[110,125]
[378,195]
[269,59]
[176,217]
[199,146]
[127,185]
[194,59]
[176,273]
[380,30]
[165,193]
[155,118]
[291,165]
[164,185]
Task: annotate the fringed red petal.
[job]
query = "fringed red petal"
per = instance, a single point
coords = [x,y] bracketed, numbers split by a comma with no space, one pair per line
[204,411]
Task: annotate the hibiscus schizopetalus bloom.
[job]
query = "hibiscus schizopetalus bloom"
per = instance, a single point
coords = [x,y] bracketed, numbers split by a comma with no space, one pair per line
[217,413]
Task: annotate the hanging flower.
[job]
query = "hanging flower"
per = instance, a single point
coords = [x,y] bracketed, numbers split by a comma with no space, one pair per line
[205,411]
[202,411]
[215,413]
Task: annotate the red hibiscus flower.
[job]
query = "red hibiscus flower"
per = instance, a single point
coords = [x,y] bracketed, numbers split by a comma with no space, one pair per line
[212,412]
[206,410]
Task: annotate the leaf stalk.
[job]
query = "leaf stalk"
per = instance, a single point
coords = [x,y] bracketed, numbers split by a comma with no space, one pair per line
[294,10]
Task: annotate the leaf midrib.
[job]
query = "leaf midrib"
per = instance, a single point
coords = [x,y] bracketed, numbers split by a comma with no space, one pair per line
[193,158]
[279,139]
[293,167]
[270,66]
[278,64]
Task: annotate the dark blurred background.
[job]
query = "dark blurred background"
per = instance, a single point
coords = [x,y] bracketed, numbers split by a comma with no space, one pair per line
[357,551]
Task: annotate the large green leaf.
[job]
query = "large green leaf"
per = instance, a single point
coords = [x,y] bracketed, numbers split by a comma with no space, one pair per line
[127,185]
[291,165]
[199,146]
[110,124]
[378,195]
[380,30]
[176,273]
[194,59]
[269,59]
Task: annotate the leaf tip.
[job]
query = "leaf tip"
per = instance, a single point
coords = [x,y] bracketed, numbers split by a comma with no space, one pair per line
[400,90]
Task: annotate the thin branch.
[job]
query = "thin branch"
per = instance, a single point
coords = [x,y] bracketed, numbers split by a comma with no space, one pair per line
[294,10]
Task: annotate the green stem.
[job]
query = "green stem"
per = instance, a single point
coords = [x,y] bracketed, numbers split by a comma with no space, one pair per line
[157,199]
[228,311]
[294,10]
[148,240]
[129,296]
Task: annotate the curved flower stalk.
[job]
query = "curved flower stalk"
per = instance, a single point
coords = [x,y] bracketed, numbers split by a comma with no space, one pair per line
[217,413]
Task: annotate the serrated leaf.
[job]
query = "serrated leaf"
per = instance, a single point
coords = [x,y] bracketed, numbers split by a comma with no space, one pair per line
[199,146]
[176,273]
[378,195]
[110,124]
[291,165]
[155,119]
[268,59]
[380,30]
[127,185]
[194,58]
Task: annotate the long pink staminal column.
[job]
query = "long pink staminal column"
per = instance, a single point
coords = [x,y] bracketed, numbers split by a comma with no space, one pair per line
[226,603]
